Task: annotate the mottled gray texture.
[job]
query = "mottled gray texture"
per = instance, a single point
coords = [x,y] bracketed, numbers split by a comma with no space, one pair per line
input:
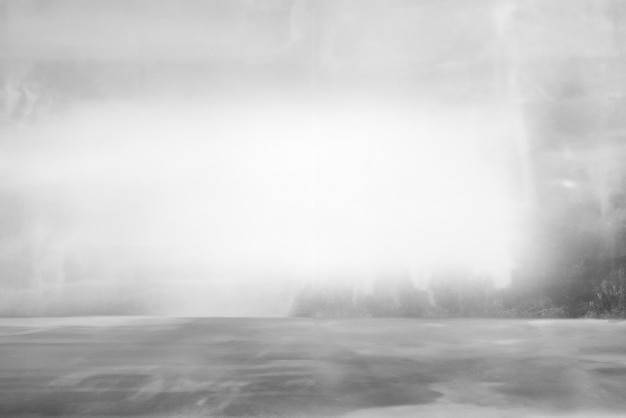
[300,367]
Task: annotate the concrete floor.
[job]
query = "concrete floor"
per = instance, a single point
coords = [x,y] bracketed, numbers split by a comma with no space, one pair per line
[307,367]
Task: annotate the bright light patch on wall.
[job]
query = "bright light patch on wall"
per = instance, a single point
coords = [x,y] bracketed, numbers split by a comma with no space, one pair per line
[331,192]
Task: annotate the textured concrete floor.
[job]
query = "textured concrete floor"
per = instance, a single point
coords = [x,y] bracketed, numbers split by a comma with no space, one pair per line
[300,367]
